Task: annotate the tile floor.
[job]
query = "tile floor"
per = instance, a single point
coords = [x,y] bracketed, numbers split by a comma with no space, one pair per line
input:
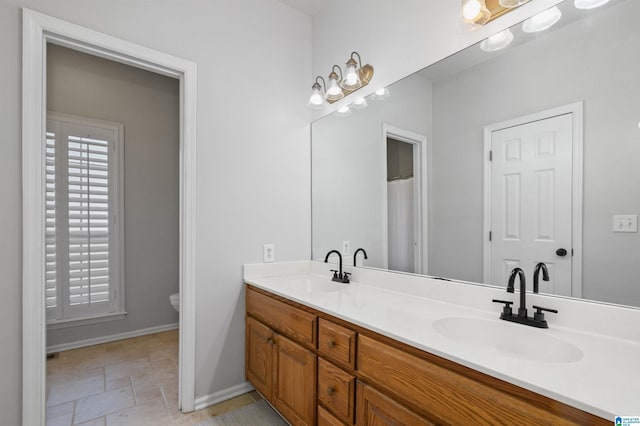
[131,382]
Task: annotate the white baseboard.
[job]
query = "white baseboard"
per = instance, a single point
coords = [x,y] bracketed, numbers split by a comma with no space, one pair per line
[111,338]
[222,395]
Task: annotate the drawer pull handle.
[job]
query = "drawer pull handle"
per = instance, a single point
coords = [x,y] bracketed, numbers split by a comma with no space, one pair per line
[331,390]
[331,344]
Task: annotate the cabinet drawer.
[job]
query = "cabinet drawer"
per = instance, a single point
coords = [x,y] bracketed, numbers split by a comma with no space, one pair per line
[288,320]
[375,408]
[337,343]
[443,393]
[336,390]
[325,418]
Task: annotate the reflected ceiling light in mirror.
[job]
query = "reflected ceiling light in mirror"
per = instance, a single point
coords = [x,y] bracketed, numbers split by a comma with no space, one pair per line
[360,103]
[512,3]
[316,100]
[542,21]
[343,111]
[334,91]
[381,94]
[497,41]
[589,4]
[475,12]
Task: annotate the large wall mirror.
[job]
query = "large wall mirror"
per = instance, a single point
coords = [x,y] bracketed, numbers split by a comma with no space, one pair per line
[495,158]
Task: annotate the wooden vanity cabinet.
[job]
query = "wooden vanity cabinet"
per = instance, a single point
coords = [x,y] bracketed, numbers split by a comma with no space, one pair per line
[320,370]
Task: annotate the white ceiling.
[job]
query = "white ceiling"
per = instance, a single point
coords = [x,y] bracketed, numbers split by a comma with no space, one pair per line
[309,7]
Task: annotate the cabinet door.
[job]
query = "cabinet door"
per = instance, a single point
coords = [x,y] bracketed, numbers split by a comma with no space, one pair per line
[259,356]
[376,409]
[294,382]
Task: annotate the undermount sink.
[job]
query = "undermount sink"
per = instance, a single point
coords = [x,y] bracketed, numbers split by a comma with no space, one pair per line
[513,340]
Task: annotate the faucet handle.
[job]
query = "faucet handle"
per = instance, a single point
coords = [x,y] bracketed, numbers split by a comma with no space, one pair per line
[506,309]
[539,315]
[335,273]
[345,277]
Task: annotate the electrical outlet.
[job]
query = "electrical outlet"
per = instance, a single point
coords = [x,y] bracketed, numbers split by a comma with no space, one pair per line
[268,253]
[625,223]
[346,248]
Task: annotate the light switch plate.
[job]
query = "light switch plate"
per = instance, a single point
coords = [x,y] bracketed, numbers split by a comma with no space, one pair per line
[268,253]
[625,223]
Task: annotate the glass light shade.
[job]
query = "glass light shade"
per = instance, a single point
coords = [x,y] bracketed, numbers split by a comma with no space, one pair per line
[343,111]
[360,103]
[497,41]
[590,4]
[334,92]
[316,100]
[475,12]
[512,3]
[381,94]
[351,80]
[542,21]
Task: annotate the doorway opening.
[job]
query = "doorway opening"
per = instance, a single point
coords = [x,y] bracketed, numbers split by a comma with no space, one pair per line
[404,210]
[533,198]
[38,31]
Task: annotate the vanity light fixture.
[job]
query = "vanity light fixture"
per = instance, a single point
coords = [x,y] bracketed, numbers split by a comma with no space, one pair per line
[316,100]
[360,103]
[542,21]
[497,41]
[337,87]
[589,4]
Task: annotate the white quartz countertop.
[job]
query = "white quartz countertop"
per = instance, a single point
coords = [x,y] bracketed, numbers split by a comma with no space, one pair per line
[603,379]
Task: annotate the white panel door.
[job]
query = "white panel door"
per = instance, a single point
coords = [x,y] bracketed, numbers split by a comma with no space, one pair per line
[531,182]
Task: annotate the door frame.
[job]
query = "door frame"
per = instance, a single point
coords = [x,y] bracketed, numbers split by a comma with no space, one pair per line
[38,30]
[420,148]
[577,112]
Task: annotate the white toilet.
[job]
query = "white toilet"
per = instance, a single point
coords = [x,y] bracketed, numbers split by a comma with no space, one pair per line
[174,299]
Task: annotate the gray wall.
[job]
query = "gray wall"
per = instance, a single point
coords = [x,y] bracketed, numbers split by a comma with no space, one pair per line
[148,105]
[348,155]
[252,169]
[596,62]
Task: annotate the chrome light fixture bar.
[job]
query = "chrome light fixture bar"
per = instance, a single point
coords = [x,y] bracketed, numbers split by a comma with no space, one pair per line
[337,85]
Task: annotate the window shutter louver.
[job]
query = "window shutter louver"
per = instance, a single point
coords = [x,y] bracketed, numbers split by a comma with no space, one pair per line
[50,223]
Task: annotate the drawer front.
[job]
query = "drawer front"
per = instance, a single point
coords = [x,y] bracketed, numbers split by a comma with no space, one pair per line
[337,343]
[375,408]
[325,418]
[288,320]
[336,391]
[443,393]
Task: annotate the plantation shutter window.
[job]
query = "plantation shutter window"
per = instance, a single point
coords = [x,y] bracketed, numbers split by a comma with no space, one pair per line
[83,229]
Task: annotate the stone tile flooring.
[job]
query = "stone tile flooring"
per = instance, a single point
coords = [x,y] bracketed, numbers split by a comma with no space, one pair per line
[131,382]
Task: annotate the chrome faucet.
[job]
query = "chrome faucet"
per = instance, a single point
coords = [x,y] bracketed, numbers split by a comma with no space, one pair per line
[338,276]
[356,253]
[538,317]
[536,275]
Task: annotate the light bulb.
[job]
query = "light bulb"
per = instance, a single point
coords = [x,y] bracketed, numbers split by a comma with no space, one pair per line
[542,21]
[589,4]
[497,41]
[334,92]
[471,9]
[352,79]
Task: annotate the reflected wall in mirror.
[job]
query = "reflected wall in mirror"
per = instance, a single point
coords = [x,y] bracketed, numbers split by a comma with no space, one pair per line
[560,109]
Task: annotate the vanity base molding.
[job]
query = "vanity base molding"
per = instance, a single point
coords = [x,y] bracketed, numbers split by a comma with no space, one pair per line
[338,373]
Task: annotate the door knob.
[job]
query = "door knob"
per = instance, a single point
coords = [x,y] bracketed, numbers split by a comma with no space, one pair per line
[561,252]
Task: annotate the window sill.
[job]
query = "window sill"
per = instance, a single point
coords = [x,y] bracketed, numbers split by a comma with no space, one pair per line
[77,322]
